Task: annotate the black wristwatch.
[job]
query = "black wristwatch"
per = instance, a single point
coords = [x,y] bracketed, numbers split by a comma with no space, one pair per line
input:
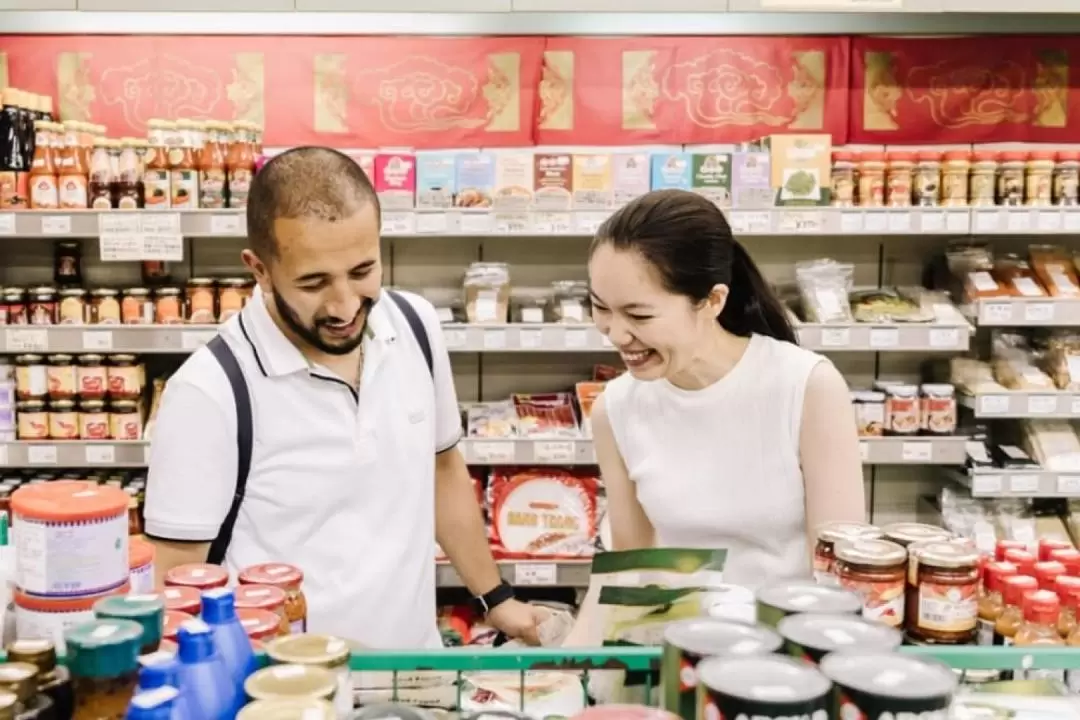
[494,598]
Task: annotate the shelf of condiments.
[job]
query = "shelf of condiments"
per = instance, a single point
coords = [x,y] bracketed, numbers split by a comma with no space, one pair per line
[184,165]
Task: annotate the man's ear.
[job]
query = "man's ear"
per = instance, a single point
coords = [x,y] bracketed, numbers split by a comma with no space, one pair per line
[258,269]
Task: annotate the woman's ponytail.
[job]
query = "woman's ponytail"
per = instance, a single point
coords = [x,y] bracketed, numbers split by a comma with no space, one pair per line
[752,306]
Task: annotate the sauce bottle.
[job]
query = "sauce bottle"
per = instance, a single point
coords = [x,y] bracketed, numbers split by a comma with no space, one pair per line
[1004,545]
[156,189]
[1047,573]
[71,172]
[240,163]
[127,182]
[1069,557]
[1023,560]
[100,188]
[183,176]
[44,193]
[1040,629]
[212,168]
[1068,591]
[1013,588]
[14,160]
[991,603]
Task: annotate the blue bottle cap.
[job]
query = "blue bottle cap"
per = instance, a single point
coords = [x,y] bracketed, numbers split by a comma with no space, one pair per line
[156,704]
[218,606]
[158,669]
[196,641]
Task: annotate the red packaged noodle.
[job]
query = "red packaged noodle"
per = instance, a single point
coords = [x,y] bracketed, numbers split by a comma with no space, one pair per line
[543,512]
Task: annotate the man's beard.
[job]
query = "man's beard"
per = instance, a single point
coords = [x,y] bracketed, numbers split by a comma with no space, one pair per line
[311,336]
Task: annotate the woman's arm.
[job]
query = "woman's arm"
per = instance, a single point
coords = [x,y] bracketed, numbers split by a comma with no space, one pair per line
[630,528]
[829,452]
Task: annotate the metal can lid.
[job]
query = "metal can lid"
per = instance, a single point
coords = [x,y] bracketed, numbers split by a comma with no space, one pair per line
[764,678]
[894,675]
[878,553]
[807,596]
[715,637]
[828,633]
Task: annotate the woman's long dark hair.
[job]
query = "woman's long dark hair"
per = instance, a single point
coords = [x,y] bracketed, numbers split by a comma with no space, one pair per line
[689,242]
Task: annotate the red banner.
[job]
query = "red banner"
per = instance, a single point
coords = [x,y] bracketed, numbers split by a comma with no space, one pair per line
[965,90]
[691,89]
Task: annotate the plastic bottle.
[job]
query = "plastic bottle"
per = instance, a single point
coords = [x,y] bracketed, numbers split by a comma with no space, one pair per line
[1040,629]
[219,612]
[991,602]
[156,704]
[162,669]
[1012,589]
[205,682]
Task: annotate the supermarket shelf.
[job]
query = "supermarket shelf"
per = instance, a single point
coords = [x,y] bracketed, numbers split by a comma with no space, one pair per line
[1025,312]
[577,223]
[1020,483]
[913,451]
[142,339]
[864,337]
[527,452]
[563,573]
[1015,404]
[523,337]
[75,454]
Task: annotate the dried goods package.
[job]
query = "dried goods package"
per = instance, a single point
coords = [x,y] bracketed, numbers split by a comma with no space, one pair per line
[542,513]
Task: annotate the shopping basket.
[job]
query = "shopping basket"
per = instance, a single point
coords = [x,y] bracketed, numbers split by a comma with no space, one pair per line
[644,662]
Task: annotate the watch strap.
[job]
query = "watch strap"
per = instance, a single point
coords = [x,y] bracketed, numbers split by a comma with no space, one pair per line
[495,597]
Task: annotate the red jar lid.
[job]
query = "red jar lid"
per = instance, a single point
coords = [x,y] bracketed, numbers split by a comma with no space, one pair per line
[1046,545]
[1042,155]
[957,156]
[260,625]
[1068,589]
[898,156]
[1003,545]
[1041,606]
[843,156]
[1047,573]
[259,597]
[929,156]
[173,620]
[182,599]
[986,156]
[198,575]
[995,573]
[872,156]
[1069,557]
[1068,156]
[140,553]
[1013,156]
[275,574]
[1014,587]
[1023,560]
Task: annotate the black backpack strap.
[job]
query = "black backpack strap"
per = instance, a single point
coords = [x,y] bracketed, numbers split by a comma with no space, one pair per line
[245,439]
[417,325]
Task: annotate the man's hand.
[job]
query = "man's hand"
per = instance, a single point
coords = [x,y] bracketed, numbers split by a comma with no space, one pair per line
[518,620]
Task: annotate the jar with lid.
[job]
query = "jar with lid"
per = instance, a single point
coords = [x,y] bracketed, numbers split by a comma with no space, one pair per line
[53,680]
[824,551]
[902,408]
[232,295]
[1039,178]
[843,179]
[1010,179]
[926,183]
[147,610]
[41,306]
[201,576]
[67,263]
[200,301]
[15,302]
[61,376]
[21,680]
[877,571]
[1048,545]
[872,179]
[309,709]
[31,377]
[898,189]
[167,306]
[322,651]
[91,377]
[1067,178]
[1039,628]
[182,598]
[125,420]
[991,602]
[33,420]
[1068,589]
[983,179]
[125,377]
[907,533]
[288,578]
[1013,589]
[570,302]
[63,420]
[955,174]
[291,681]
[939,413]
[264,597]
[103,660]
[944,609]
[530,310]
[93,420]
[487,292]
[137,308]
[72,308]
[261,626]
[105,306]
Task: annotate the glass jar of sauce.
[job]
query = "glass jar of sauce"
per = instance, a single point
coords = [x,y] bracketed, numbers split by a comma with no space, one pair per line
[1010,179]
[93,420]
[983,179]
[955,178]
[1067,178]
[67,262]
[201,576]
[906,533]
[279,682]
[61,376]
[105,306]
[63,420]
[232,294]
[33,420]
[103,659]
[31,377]
[991,600]
[125,377]
[73,308]
[943,608]
[41,307]
[182,598]
[843,179]
[288,578]
[877,571]
[14,300]
[91,377]
[1038,179]
[125,421]
[926,183]
[265,598]
[827,537]
[167,306]
[200,301]
[137,308]
[260,625]
[872,179]
[53,680]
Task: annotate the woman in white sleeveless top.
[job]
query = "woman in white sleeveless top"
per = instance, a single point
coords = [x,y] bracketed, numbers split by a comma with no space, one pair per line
[724,433]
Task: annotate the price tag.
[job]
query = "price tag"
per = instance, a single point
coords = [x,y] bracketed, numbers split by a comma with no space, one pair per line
[587,223]
[494,452]
[987,220]
[944,337]
[1039,312]
[995,312]
[547,223]
[1026,484]
[1041,404]
[454,339]
[1048,220]
[884,337]
[515,224]
[986,484]
[100,455]
[916,452]
[195,339]
[876,222]
[120,237]
[957,222]
[226,226]
[993,404]
[433,223]
[535,573]
[56,225]
[554,452]
[864,450]
[1018,221]
[1071,220]
[932,222]
[477,223]
[758,222]
[161,236]
[530,339]
[835,337]
[398,223]
[851,223]
[900,222]
[41,454]
[494,339]
[97,340]
[792,221]
[7,223]
[1068,485]
[576,339]
[36,340]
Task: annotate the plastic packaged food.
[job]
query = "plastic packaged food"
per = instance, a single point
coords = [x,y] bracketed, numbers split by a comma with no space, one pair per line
[926,182]
[887,305]
[542,512]
[103,659]
[777,601]
[745,687]
[843,179]
[545,415]
[828,535]
[812,636]
[322,651]
[877,571]
[491,420]
[871,179]
[201,576]
[570,302]
[487,292]
[955,175]
[916,687]
[1066,179]
[290,579]
[1053,268]
[824,286]
[943,608]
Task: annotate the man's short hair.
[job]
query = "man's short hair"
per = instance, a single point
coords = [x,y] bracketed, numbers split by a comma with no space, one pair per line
[305,182]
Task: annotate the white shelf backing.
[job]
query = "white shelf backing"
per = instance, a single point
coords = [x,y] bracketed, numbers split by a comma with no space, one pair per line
[995,483]
[1015,404]
[1025,312]
[534,573]
[466,223]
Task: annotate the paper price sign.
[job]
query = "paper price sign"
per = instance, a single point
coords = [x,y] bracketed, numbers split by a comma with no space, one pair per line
[535,573]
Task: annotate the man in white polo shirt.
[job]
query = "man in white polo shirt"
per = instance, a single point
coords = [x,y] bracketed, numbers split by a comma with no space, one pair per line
[320,428]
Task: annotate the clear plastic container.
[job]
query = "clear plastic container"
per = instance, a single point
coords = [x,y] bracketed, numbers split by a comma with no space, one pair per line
[570,302]
[487,292]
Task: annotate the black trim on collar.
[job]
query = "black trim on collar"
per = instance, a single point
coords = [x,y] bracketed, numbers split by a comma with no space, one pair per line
[161,538]
[254,350]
